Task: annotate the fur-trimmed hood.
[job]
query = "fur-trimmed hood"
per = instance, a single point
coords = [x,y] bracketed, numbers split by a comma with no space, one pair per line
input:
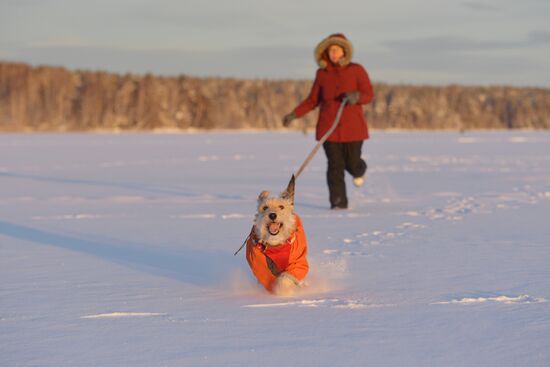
[339,39]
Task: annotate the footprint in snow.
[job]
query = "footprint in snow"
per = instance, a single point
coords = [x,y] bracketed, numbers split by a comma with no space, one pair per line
[355,246]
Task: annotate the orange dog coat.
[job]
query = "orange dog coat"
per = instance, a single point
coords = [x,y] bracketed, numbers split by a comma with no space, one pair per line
[268,262]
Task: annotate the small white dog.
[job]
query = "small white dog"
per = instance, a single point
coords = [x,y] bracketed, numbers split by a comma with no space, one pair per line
[277,247]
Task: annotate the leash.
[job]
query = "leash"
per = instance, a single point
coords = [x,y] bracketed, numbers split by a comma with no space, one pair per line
[240,248]
[312,153]
[324,138]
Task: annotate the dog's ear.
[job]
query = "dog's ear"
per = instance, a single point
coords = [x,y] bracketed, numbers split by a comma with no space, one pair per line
[289,192]
[263,195]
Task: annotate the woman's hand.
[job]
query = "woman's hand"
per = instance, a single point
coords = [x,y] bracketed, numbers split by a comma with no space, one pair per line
[288,118]
[352,97]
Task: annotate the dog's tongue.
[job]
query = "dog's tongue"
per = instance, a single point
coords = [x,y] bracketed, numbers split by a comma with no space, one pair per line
[274,228]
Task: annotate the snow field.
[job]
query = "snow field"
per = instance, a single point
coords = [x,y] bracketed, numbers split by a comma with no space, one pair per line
[118,250]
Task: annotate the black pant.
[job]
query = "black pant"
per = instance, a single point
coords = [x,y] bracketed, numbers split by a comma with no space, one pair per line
[342,156]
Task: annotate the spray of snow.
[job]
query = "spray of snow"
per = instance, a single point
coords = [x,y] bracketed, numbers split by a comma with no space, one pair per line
[241,284]
[323,277]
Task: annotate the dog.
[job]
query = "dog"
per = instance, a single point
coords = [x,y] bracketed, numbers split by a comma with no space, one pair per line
[276,248]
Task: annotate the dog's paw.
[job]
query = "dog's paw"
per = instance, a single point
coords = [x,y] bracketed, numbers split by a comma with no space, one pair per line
[286,285]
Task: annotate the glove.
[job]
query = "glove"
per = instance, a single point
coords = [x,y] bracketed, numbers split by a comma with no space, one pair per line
[288,118]
[353,97]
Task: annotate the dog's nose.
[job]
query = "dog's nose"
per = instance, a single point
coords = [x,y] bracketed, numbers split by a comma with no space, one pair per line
[272,216]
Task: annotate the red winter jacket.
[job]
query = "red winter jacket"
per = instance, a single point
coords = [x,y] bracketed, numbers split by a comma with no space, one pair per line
[330,83]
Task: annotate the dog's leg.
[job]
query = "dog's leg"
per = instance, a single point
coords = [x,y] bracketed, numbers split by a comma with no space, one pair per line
[286,285]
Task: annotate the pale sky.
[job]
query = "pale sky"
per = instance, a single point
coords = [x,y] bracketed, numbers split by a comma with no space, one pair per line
[485,42]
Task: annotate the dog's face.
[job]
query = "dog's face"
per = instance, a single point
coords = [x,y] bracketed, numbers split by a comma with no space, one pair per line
[275,221]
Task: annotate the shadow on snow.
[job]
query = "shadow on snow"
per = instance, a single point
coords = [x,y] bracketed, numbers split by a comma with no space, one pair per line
[191,266]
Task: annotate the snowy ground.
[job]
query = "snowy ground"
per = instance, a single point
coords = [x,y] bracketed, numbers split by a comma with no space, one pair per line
[117,250]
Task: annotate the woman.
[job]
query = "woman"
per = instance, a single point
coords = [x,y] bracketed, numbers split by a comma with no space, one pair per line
[336,79]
